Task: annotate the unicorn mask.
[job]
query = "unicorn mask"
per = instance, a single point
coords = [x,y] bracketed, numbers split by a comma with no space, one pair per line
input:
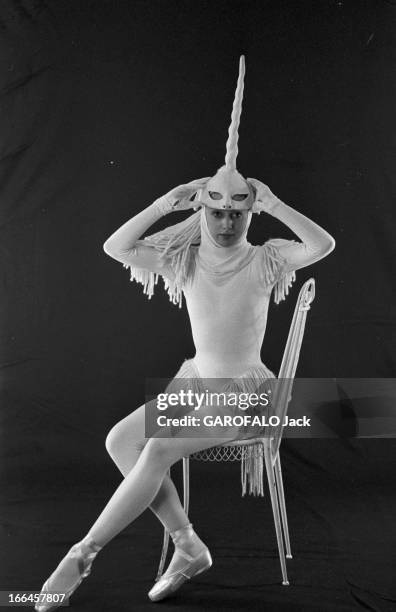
[189,243]
[228,189]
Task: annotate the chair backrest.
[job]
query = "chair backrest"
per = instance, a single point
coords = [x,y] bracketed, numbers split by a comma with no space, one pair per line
[282,394]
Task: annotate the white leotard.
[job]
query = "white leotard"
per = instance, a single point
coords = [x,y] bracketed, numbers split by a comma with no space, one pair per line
[228,322]
[228,313]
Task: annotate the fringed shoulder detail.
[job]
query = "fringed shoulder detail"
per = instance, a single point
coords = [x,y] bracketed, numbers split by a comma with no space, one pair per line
[273,268]
[175,247]
[145,277]
[182,265]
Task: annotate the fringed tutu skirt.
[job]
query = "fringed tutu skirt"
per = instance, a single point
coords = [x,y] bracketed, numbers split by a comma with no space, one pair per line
[242,398]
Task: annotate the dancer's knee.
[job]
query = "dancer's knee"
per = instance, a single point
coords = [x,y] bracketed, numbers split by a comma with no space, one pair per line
[161,451]
[112,440]
[120,439]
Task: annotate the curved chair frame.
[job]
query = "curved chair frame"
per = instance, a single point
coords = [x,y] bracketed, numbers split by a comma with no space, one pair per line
[267,447]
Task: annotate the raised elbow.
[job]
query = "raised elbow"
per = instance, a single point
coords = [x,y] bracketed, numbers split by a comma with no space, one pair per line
[117,254]
[107,249]
[324,249]
[330,246]
[111,251]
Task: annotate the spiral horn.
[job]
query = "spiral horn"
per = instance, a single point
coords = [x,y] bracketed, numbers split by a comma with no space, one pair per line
[232,142]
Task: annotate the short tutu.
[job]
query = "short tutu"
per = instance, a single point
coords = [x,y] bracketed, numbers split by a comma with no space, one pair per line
[241,399]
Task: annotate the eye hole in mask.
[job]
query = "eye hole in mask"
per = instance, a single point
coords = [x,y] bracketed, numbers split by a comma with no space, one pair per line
[238,197]
[215,195]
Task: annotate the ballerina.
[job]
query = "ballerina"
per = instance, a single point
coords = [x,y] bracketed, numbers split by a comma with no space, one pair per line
[227,284]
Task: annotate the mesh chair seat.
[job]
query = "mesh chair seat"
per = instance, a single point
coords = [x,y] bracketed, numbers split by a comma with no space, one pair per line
[250,453]
[231,451]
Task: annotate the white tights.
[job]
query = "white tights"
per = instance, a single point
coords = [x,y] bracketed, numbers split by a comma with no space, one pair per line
[124,443]
[144,464]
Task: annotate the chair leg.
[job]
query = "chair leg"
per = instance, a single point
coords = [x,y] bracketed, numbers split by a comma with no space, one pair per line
[164,552]
[282,504]
[275,510]
[186,484]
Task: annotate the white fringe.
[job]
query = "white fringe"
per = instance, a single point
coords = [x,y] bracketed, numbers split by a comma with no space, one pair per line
[252,461]
[182,261]
[175,244]
[252,470]
[150,279]
[273,263]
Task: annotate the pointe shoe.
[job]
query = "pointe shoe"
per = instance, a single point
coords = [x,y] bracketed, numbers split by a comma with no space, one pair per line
[81,555]
[171,581]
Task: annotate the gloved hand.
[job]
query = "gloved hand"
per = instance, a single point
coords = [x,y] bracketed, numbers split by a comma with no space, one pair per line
[265,200]
[179,198]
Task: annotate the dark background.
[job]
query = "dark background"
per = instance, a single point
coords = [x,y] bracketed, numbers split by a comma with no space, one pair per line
[105,106]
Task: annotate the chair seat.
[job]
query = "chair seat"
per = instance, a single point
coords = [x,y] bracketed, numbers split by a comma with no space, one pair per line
[237,450]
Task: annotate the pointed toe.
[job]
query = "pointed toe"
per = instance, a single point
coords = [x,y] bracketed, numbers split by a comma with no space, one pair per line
[161,589]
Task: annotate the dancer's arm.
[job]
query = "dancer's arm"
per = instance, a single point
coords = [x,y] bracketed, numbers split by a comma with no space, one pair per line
[122,244]
[316,242]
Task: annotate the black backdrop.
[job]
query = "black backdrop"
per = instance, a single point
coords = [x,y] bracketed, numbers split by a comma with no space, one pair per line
[106,105]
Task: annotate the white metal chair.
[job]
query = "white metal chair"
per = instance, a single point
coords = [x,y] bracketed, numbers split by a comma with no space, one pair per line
[251,452]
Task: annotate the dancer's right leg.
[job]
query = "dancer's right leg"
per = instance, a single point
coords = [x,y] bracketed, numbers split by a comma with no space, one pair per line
[124,443]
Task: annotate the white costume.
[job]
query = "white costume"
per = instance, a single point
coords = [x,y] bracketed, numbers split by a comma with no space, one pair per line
[227,291]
